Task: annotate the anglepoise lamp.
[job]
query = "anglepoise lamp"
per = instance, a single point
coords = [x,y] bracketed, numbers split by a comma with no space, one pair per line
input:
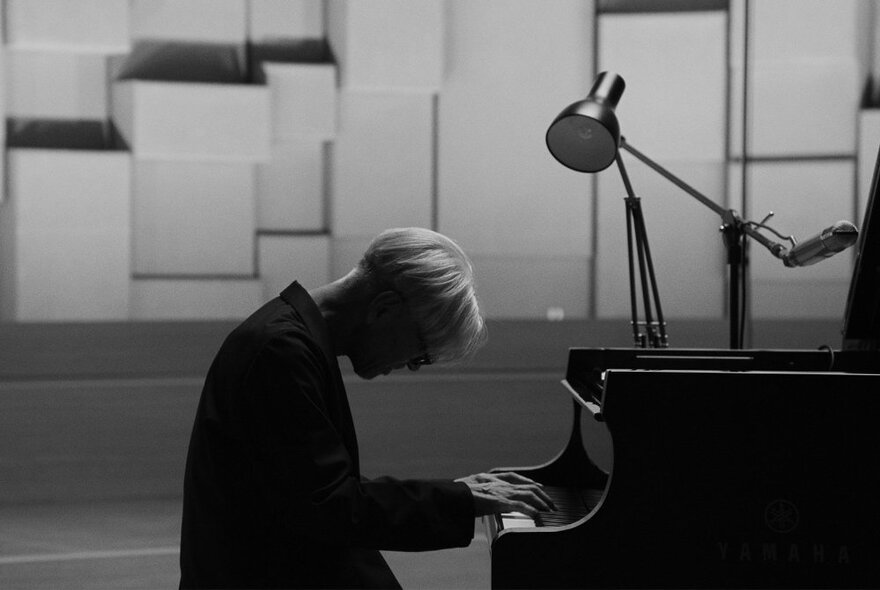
[586,137]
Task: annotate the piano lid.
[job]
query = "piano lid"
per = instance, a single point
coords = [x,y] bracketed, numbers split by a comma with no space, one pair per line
[861,323]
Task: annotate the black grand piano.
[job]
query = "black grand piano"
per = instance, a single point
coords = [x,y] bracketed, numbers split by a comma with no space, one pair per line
[731,468]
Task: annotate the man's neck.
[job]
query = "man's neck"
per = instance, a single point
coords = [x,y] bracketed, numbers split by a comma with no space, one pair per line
[341,303]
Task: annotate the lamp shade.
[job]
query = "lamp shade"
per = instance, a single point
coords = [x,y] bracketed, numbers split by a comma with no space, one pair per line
[585,136]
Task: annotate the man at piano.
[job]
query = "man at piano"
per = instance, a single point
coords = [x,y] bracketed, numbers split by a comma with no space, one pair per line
[273,494]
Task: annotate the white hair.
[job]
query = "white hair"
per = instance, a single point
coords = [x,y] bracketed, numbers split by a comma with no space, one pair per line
[436,280]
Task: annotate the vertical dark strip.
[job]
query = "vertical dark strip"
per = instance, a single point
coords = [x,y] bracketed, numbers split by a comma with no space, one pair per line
[248,51]
[746,320]
[592,265]
[4,30]
[728,124]
[435,163]
[327,187]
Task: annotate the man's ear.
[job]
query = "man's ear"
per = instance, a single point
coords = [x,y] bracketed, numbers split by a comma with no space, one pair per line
[384,303]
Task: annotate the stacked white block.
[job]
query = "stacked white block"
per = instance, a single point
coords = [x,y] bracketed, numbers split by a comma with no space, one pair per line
[193,218]
[806,49]
[676,116]
[66,237]
[208,21]
[388,43]
[500,193]
[173,120]
[283,259]
[271,20]
[382,162]
[806,197]
[303,98]
[56,85]
[100,26]
[291,187]
[191,299]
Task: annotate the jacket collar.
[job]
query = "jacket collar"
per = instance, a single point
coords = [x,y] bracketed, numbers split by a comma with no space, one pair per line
[298,298]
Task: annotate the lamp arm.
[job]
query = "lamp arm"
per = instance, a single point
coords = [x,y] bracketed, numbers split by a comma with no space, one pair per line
[775,248]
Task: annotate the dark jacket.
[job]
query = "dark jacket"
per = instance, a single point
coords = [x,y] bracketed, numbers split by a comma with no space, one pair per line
[273,495]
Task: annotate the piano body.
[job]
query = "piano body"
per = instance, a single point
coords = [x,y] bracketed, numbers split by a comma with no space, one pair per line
[735,468]
[730,469]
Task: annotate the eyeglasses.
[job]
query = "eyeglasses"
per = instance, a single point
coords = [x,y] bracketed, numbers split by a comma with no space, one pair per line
[414,364]
[422,359]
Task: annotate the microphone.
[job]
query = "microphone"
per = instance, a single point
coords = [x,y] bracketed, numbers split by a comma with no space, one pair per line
[826,243]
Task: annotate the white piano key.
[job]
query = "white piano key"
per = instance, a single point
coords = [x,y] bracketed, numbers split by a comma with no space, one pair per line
[518,523]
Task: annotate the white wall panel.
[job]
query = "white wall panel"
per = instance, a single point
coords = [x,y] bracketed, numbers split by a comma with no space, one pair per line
[56,85]
[284,259]
[290,187]
[532,287]
[382,162]
[345,253]
[797,108]
[388,43]
[674,102]
[67,229]
[683,236]
[869,151]
[303,99]
[191,299]
[193,121]
[801,299]
[4,101]
[193,218]
[211,21]
[271,20]
[100,26]
[796,30]
[510,72]
[806,197]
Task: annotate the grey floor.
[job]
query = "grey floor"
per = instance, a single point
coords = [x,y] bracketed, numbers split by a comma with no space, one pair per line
[134,545]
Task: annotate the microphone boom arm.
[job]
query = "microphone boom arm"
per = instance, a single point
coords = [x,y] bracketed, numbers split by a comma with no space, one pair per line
[775,248]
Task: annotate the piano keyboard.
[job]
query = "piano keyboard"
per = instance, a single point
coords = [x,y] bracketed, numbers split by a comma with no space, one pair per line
[572,504]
